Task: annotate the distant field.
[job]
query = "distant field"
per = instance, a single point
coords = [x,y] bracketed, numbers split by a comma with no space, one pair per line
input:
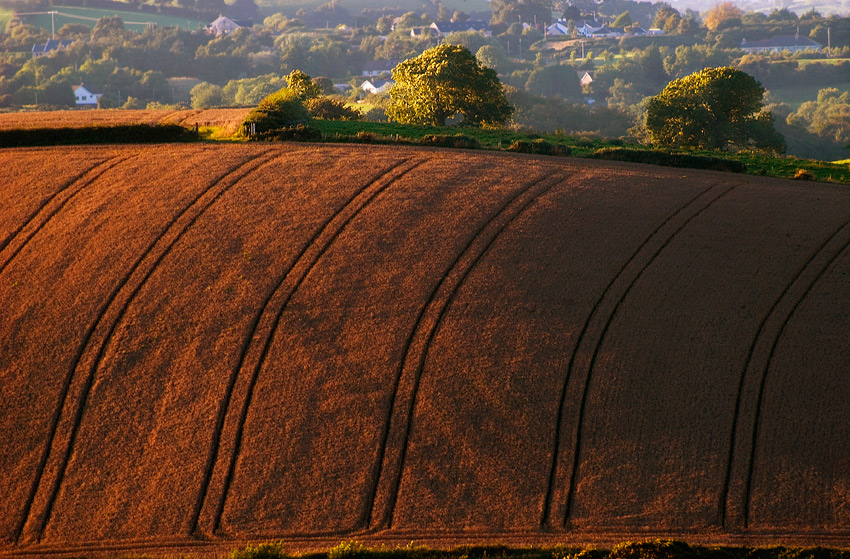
[5,16]
[796,96]
[89,16]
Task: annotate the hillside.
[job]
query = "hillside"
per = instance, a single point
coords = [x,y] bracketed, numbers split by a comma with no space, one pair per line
[323,342]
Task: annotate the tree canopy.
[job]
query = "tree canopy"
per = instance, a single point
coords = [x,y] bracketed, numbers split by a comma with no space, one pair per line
[713,108]
[443,82]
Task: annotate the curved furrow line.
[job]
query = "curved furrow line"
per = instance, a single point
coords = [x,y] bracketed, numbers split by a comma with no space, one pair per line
[169,236]
[432,305]
[798,282]
[54,421]
[268,319]
[547,500]
[71,188]
[601,338]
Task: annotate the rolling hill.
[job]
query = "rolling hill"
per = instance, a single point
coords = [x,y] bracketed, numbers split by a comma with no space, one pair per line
[215,343]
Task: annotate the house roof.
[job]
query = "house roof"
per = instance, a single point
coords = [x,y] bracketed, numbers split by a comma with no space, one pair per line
[380,65]
[557,29]
[590,23]
[51,45]
[460,26]
[605,30]
[781,41]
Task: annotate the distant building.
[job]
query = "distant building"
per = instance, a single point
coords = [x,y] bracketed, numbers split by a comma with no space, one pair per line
[654,31]
[792,43]
[84,96]
[584,78]
[377,86]
[50,46]
[446,27]
[606,31]
[587,27]
[557,28]
[222,26]
[375,68]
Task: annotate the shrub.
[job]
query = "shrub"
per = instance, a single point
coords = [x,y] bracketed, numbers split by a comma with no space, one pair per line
[347,550]
[299,133]
[655,549]
[539,147]
[268,550]
[668,159]
[281,109]
[120,134]
[446,141]
[803,175]
[331,109]
[376,114]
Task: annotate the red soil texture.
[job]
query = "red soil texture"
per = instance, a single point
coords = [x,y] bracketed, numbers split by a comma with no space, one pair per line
[204,345]
[228,120]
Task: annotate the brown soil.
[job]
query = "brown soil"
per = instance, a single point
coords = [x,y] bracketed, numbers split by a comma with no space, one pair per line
[208,344]
[227,119]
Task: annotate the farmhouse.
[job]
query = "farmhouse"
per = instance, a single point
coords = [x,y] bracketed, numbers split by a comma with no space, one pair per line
[443,28]
[587,27]
[50,46]
[84,96]
[377,86]
[792,43]
[557,28]
[606,31]
[222,26]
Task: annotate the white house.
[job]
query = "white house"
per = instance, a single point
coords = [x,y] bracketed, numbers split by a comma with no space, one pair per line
[377,86]
[222,26]
[587,27]
[84,96]
[606,31]
[792,43]
[584,78]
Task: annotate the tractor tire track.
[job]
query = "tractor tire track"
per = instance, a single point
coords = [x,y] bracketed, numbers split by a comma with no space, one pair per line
[35,222]
[96,172]
[745,420]
[623,283]
[175,230]
[388,469]
[267,320]
[545,521]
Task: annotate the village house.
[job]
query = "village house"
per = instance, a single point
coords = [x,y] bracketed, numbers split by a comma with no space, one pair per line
[791,43]
[50,46]
[586,27]
[443,28]
[557,28]
[85,97]
[222,26]
[377,86]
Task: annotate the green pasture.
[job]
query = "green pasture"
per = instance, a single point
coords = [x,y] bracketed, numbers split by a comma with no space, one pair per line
[136,21]
[5,16]
[799,94]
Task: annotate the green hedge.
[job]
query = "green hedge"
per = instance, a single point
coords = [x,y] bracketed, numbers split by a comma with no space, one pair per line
[119,134]
[670,159]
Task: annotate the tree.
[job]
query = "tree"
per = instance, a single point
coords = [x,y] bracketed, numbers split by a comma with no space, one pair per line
[713,108]
[493,57]
[557,80]
[206,95]
[302,85]
[445,81]
[722,13]
[280,109]
[623,20]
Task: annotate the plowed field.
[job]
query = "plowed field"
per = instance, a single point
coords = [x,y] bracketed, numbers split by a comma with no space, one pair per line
[227,119]
[206,344]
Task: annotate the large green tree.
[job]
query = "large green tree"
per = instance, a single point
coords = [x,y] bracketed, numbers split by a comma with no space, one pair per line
[713,108]
[443,82]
